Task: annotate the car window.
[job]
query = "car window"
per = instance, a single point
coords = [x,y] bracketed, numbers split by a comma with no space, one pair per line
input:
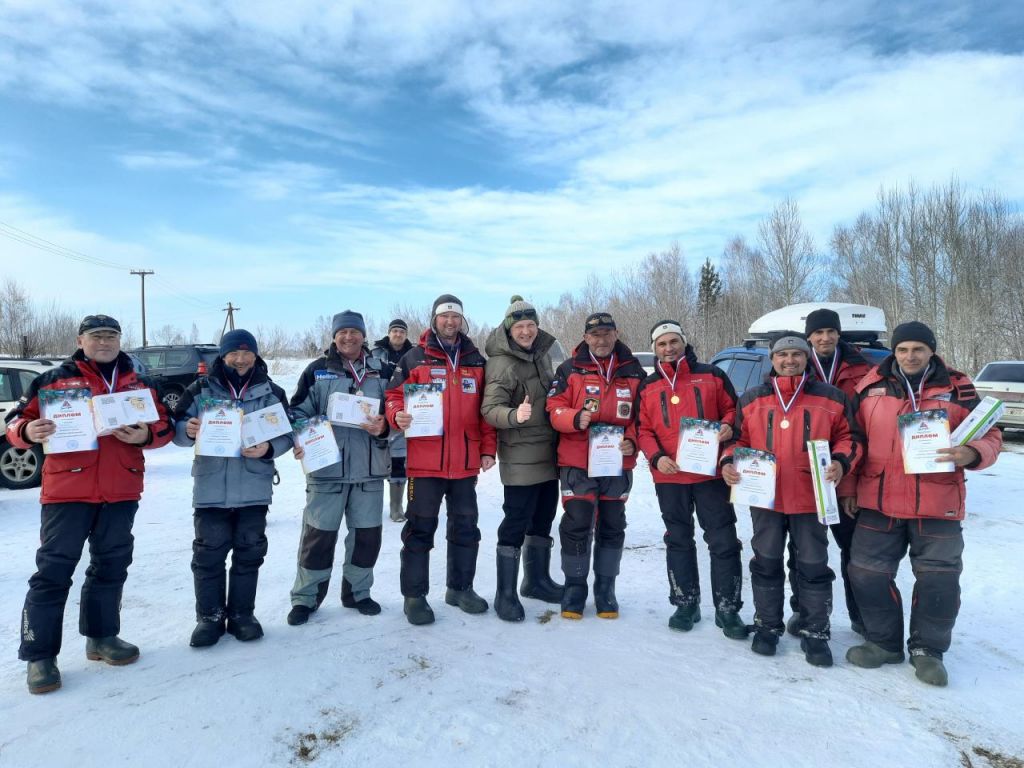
[745,373]
[26,378]
[176,358]
[724,364]
[6,390]
[151,359]
[1002,372]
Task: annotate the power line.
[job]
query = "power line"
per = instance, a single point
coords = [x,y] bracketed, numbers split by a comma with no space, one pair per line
[27,238]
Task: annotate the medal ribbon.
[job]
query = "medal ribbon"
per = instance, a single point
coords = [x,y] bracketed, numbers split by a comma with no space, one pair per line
[778,394]
[914,400]
[355,376]
[237,393]
[604,374]
[112,383]
[831,370]
[453,362]
[672,381]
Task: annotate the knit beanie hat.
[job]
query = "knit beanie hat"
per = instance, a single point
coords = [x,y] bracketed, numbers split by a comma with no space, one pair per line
[348,319]
[520,309]
[398,323]
[238,340]
[666,326]
[821,318]
[791,340]
[446,302]
[913,331]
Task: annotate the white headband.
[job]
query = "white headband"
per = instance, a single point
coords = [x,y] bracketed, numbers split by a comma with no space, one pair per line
[448,306]
[664,328]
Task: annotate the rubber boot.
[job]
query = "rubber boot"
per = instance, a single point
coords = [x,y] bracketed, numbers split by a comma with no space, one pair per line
[928,668]
[112,650]
[684,618]
[537,581]
[367,606]
[245,627]
[43,676]
[417,611]
[299,614]
[765,642]
[397,491]
[871,656]
[732,625]
[816,651]
[209,629]
[466,600]
[795,625]
[506,601]
[574,599]
[606,568]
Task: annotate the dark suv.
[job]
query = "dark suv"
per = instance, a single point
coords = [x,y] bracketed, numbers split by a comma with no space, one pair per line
[175,366]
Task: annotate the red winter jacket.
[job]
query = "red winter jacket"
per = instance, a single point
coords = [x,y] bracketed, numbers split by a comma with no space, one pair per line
[704,392]
[576,381]
[112,473]
[880,482]
[467,437]
[852,368]
[820,412]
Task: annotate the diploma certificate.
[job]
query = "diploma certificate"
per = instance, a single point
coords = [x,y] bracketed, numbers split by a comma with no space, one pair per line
[71,411]
[604,458]
[316,438]
[820,456]
[351,410]
[124,409]
[264,425]
[426,405]
[922,434]
[698,446]
[220,428]
[756,487]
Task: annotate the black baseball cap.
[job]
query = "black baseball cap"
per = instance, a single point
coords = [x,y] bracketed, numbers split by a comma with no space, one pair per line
[93,323]
[599,320]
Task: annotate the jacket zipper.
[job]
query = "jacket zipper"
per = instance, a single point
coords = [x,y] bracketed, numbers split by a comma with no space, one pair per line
[700,402]
[807,430]
[664,409]
[771,423]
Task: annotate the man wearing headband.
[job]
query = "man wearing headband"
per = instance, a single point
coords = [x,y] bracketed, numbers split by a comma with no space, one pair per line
[779,417]
[681,387]
[389,351]
[352,489]
[443,467]
[838,363]
[597,385]
[920,512]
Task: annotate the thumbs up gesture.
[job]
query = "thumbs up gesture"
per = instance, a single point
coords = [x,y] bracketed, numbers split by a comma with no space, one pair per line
[524,411]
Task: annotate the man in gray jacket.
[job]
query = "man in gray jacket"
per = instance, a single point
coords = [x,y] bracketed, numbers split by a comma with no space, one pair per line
[352,488]
[230,495]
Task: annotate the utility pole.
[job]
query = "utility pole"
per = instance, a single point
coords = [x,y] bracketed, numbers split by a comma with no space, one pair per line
[230,319]
[142,273]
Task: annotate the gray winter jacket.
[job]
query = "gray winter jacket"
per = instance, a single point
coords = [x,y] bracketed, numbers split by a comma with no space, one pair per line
[526,452]
[231,482]
[363,456]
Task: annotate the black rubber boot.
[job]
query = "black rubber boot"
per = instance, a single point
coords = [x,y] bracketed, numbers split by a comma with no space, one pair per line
[417,611]
[43,676]
[506,601]
[816,651]
[537,581]
[868,655]
[299,614]
[209,629]
[112,650]
[765,642]
[795,625]
[574,600]
[245,628]
[396,491]
[684,618]
[731,624]
[465,599]
[606,568]
[367,606]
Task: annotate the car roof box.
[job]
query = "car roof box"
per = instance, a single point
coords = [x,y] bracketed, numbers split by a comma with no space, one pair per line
[860,322]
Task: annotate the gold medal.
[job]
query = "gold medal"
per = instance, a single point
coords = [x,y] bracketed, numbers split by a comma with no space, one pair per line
[675,399]
[784,423]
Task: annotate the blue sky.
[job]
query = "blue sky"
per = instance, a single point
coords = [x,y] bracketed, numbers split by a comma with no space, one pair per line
[301,158]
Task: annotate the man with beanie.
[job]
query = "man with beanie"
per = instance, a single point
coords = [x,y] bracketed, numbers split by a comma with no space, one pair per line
[353,488]
[231,496]
[779,417]
[836,362]
[922,512]
[443,467]
[86,495]
[681,387]
[519,373]
[389,350]
[596,386]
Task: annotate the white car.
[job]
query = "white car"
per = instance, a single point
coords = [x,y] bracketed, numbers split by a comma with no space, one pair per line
[19,468]
[1004,379]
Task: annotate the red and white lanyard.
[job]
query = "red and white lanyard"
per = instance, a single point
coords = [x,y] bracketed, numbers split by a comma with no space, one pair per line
[110,384]
[236,394]
[671,382]
[452,361]
[784,405]
[915,400]
[355,376]
[603,373]
[831,371]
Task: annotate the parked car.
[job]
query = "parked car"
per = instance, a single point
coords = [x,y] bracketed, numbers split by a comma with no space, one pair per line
[646,360]
[20,468]
[173,367]
[1004,379]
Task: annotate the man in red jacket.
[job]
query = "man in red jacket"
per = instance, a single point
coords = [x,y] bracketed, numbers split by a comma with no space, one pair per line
[780,417]
[681,388]
[838,363]
[86,495]
[921,511]
[598,385]
[445,466]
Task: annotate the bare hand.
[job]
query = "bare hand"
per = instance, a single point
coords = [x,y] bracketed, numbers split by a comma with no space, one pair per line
[849,505]
[136,434]
[37,431]
[257,451]
[192,427]
[961,455]
[666,466]
[403,420]
[834,473]
[626,447]
[524,411]
[585,418]
[375,425]
[725,433]
[298,452]
[486,462]
[730,475]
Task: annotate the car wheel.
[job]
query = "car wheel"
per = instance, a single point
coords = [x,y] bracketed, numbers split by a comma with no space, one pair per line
[19,467]
[171,399]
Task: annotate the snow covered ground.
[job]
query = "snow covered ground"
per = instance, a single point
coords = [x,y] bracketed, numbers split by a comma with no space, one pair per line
[472,690]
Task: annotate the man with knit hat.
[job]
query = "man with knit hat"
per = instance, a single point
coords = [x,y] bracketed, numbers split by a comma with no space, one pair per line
[922,512]
[444,467]
[231,496]
[389,350]
[836,362]
[519,373]
[353,488]
[779,417]
[681,387]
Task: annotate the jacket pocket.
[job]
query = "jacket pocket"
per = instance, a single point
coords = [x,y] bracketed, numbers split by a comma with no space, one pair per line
[472,453]
[258,466]
[425,454]
[380,458]
[65,463]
